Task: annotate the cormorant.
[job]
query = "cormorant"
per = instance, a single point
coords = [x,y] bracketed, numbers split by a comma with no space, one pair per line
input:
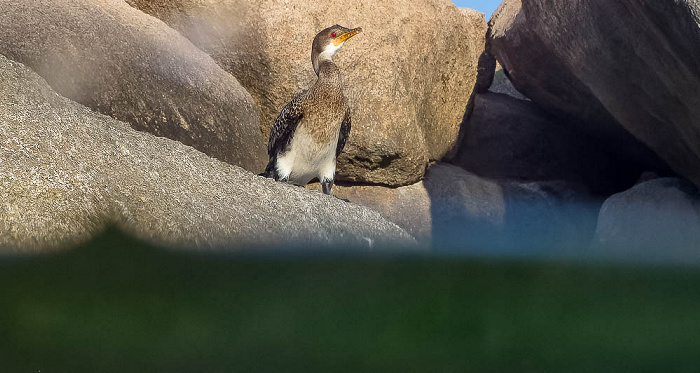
[311,130]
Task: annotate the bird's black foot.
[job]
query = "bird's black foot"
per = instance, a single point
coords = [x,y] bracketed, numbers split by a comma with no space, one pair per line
[327,185]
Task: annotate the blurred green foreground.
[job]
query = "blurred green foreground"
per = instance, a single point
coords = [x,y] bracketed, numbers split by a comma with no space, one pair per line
[117,305]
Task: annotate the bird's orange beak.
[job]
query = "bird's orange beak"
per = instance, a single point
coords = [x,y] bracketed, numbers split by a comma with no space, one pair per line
[342,38]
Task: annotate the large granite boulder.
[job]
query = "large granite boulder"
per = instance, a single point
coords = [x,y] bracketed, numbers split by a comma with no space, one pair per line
[619,67]
[657,220]
[128,65]
[66,172]
[513,139]
[408,76]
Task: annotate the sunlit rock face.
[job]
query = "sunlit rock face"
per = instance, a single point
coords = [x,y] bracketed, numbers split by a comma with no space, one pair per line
[408,76]
[627,71]
[66,172]
[123,63]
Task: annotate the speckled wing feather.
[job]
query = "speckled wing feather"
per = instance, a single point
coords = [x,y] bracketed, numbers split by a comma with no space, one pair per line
[344,133]
[282,131]
[285,124]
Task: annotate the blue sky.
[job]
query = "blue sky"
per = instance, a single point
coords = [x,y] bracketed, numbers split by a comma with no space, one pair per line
[484,6]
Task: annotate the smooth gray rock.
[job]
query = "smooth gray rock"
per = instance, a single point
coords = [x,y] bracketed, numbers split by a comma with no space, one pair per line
[128,65]
[66,172]
[656,220]
[625,70]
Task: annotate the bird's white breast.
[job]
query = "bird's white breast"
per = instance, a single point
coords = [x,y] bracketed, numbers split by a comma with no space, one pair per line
[306,159]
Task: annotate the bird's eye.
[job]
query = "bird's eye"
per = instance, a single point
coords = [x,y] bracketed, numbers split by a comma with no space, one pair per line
[333,34]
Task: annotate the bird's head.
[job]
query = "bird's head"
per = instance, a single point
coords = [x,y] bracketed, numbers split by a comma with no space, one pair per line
[328,41]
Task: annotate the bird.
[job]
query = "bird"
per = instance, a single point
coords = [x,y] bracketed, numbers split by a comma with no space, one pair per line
[311,130]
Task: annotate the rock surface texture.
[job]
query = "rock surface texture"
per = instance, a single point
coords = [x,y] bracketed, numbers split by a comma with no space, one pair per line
[619,67]
[128,65]
[408,76]
[657,220]
[66,172]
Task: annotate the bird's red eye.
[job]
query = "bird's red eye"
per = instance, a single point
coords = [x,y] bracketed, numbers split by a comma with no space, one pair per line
[333,34]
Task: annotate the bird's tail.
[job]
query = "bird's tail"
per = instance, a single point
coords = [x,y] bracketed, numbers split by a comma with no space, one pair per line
[270,170]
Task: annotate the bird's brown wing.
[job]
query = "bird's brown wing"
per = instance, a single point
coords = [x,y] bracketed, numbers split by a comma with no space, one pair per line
[285,124]
[344,133]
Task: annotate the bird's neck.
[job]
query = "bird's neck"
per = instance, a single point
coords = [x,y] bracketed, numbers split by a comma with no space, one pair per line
[328,72]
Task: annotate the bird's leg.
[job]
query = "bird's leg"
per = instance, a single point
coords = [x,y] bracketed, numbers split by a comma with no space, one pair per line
[327,184]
